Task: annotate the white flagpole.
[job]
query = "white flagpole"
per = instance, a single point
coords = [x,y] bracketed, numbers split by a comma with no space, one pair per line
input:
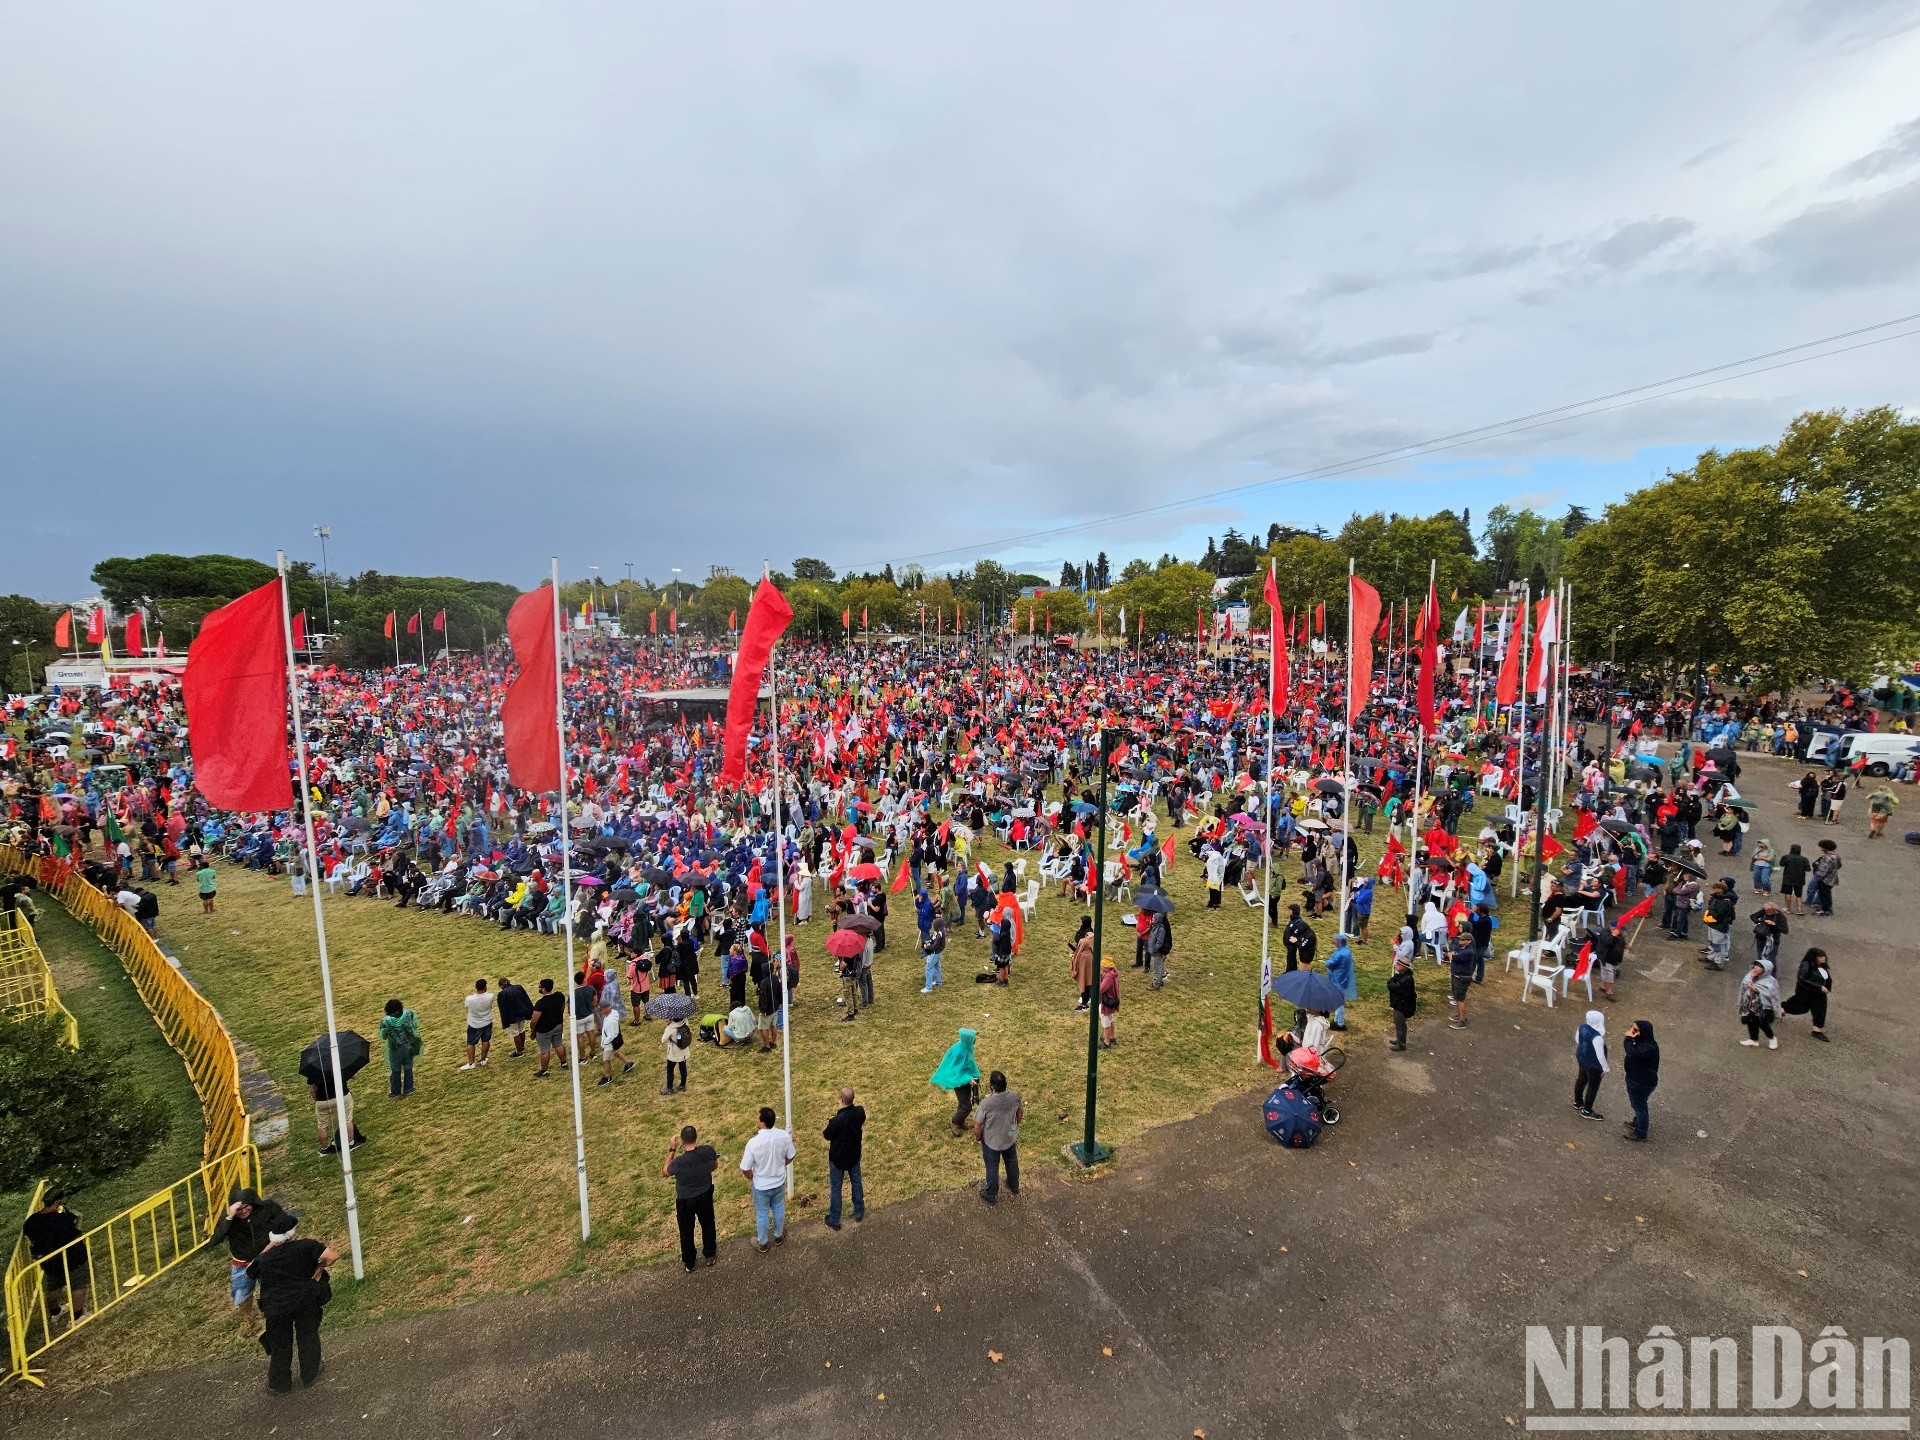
[1266,891]
[1420,739]
[1519,636]
[342,1128]
[1346,757]
[566,891]
[779,876]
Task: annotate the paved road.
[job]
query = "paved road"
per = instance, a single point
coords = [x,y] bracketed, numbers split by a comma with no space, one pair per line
[1374,1286]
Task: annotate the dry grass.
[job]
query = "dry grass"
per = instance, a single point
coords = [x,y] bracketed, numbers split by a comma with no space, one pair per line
[467,1189]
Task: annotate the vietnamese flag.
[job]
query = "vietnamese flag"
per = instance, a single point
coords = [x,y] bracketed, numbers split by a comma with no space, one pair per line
[1166,852]
[235,687]
[529,713]
[63,630]
[440,620]
[96,627]
[767,618]
[389,624]
[1363,602]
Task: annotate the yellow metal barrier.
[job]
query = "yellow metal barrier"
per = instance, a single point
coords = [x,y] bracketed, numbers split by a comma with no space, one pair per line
[116,1260]
[26,982]
[49,1298]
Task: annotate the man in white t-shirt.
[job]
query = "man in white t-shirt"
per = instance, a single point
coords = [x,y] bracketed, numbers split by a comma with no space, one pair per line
[764,1161]
[479,1024]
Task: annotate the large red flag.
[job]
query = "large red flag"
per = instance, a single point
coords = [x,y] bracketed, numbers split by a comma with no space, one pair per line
[63,630]
[653,622]
[767,618]
[1364,602]
[97,627]
[1320,619]
[1546,631]
[1429,661]
[235,687]
[413,623]
[389,624]
[1506,689]
[136,641]
[1277,639]
[528,713]
[440,620]
[299,630]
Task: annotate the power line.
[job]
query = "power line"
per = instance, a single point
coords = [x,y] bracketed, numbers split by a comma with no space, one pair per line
[1520,424]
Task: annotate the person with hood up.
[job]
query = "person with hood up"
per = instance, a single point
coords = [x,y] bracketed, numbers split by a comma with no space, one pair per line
[1590,1054]
[1759,1003]
[1640,1068]
[960,1073]
[1400,997]
[1340,971]
[1810,990]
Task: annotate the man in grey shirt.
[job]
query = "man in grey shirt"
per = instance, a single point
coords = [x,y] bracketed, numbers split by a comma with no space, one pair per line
[997,1123]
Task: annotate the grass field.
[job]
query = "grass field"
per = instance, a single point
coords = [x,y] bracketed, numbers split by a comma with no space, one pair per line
[466,1188]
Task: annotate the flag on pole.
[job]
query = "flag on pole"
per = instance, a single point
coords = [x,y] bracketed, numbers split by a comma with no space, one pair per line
[440,620]
[299,630]
[413,623]
[136,641]
[733,619]
[1364,601]
[1320,618]
[529,711]
[1277,632]
[1546,626]
[1429,661]
[653,622]
[1506,687]
[235,687]
[846,618]
[864,624]
[63,630]
[1460,626]
[673,621]
[1479,632]
[97,627]
[767,618]
[390,617]
[1385,632]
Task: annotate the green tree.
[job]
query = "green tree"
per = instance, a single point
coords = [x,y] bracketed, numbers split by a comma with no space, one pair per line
[71,1117]
[1067,607]
[1134,569]
[127,582]
[881,601]
[808,568]
[1393,553]
[719,598]
[1167,596]
[1307,571]
[1069,576]
[1101,577]
[26,630]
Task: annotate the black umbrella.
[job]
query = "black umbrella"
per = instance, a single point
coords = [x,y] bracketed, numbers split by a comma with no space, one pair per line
[316,1061]
[1681,863]
[357,822]
[1154,902]
[865,924]
[1328,787]
[654,875]
[1617,827]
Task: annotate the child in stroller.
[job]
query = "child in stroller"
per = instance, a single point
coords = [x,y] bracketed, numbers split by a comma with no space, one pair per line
[1311,1062]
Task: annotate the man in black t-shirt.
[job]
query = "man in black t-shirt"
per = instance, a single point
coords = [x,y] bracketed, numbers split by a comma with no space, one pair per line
[690,1166]
[549,1034]
[842,1135]
[293,1290]
[48,1232]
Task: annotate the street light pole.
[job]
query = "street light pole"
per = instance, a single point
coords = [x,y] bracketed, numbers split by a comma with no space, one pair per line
[29,645]
[325,533]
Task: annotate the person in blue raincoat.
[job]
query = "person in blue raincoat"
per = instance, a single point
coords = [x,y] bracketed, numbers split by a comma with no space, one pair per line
[1340,971]
[1479,888]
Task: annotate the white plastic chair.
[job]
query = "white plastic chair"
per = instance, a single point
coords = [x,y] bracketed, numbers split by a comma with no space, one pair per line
[336,879]
[1539,974]
[1019,870]
[1569,974]
[1029,900]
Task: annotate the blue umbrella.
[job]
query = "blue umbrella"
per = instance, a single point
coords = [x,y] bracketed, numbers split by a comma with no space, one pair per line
[1082,807]
[1154,902]
[1309,990]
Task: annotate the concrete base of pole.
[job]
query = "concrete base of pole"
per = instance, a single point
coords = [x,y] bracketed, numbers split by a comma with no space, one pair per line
[1078,1153]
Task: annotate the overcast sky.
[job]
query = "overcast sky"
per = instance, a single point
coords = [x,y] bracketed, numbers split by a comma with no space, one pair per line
[679,284]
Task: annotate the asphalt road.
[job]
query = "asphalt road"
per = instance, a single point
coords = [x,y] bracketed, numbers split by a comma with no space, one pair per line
[1377,1285]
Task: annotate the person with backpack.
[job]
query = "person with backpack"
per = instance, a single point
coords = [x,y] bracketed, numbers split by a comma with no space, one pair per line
[677,1036]
[400,1037]
[1825,876]
[1810,990]
[932,945]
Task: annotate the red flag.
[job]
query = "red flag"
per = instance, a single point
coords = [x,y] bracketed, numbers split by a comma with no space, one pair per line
[63,630]
[767,618]
[389,624]
[440,620]
[136,642]
[1166,851]
[673,621]
[733,620]
[1506,689]
[1320,618]
[1140,623]
[1199,625]
[1364,603]
[1584,825]
[236,692]
[900,880]
[1638,912]
[528,713]
[863,617]
[846,618]
[1385,632]
[413,623]
[1267,1056]
[1277,630]
[96,627]
[1479,632]
[300,630]
[1429,661]
[653,622]
[1032,619]
[1546,630]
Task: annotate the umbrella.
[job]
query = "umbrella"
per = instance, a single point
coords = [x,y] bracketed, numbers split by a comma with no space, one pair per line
[1311,823]
[588,880]
[540,827]
[1309,990]
[1084,808]
[1617,827]
[965,832]
[1252,822]
[845,944]
[1679,863]
[1024,812]
[1328,787]
[863,924]
[1154,902]
[671,1007]
[865,872]
[654,875]
[357,822]
[316,1061]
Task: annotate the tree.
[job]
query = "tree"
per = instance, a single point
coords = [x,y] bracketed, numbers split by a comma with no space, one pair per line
[1237,556]
[990,585]
[127,582]
[1134,569]
[1792,561]
[1168,596]
[1210,562]
[1067,607]
[71,1117]
[1307,571]
[1393,554]
[808,568]
[26,630]
[1101,578]
[719,598]
[1069,576]
[882,602]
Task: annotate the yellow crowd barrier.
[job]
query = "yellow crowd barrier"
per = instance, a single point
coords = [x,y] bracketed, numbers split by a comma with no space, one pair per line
[26,982]
[118,1259]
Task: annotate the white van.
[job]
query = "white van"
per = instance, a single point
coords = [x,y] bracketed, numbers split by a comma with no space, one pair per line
[1883,753]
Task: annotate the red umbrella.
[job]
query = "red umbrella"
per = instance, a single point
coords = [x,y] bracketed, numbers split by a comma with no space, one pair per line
[845,944]
[866,872]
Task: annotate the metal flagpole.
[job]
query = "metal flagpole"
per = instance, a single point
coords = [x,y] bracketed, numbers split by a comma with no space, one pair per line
[343,1130]
[1543,783]
[420,629]
[1346,756]
[1420,742]
[779,876]
[1519,636]
[1266,889]
[566,891]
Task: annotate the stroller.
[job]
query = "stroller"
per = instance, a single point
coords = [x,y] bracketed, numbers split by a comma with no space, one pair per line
[1310,1070]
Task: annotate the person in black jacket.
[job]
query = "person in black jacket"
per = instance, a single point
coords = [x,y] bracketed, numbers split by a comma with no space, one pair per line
[843,1157]
[293,1289]
[516,1009]
[1811,986]
[1641,1071]
[1400,998]
[248,1223]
